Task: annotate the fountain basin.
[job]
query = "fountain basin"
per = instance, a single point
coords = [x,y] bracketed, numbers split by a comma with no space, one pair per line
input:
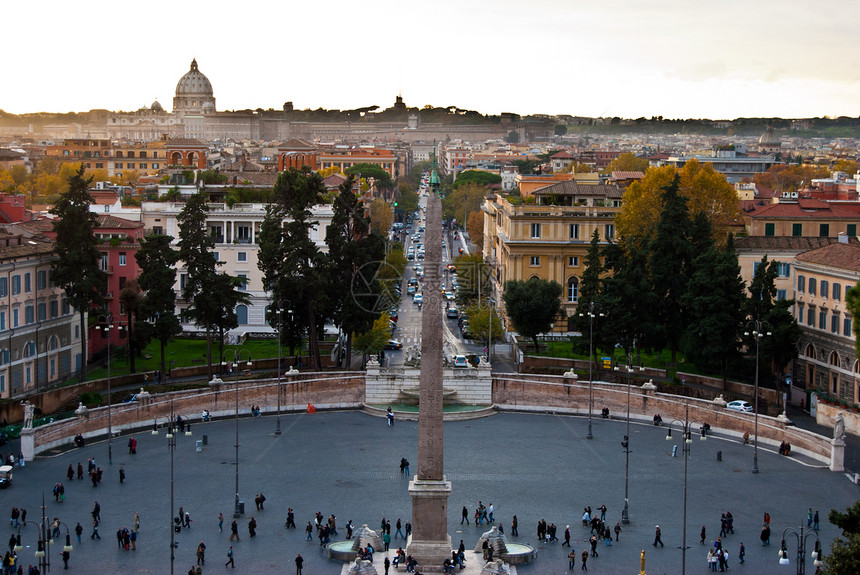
[340,551]
[519,553]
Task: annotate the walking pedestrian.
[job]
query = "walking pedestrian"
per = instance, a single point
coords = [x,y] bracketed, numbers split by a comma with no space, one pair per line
[136,521]
[571,559]
[593,542]
[201,554]
[299,563]
[407,529]
[815,521]
[809,517]
[566,536]
[121,474]
[95,534]
[584,560]
[252,527]
[492,519]
[96,512]
[398,533]
[79,530]
[230,557]
[133,539]
[234,531]
[602,509]
[390,415]
[465,516]
[514,532]
[309,530]
[657,536]
[220,522]
[702,534]
[742,553]
[617,530]
[386,564]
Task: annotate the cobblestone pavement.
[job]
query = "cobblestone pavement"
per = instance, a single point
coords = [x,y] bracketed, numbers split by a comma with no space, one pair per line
[347,463]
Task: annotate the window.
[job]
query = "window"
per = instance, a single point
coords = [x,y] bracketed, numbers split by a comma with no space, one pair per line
[824,230]
[797,230]
[142,165]
[117,165]
[158,230]
[243,286]
[801,283]
[55,308]
[242,257]
[573,290]
[780,294]
[183,281]
[4,287]
[770,229]
[130,165]
[783,270]
[29,314]
[535,231]
[534,261]
[155,165]
[27,283]
[810,318]
[822,289]
[130,155]
[812,286]
[142,155]
[846,326]
[574,231]
[610,231]
[243,234]
[851,230]
[822,318]
[103,262]
[573,261]
[122,258]
[242,314]
[2,320]
[16,285]
[834,323]
[15,319]
[41,279]
[42,311]
[800,313]
[837,291]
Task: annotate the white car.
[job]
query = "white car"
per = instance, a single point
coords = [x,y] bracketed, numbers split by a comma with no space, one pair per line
[460,361]
[739,405]
[418,298]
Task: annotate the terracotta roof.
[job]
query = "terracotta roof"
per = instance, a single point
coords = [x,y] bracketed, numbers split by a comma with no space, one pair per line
[572,188]
[800,244]
[185,143]
[107,222]
[838,255]
[10,155]
[563,156]
[633,175]
[804,209]
[334,180]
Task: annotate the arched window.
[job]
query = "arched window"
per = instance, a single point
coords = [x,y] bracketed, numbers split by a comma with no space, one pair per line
[573,290]
[176,158]
[53,343]
[242,314]
[834,359]
[29,349]
[810,351]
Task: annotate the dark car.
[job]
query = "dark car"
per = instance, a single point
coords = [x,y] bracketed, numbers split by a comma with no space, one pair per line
[393,344]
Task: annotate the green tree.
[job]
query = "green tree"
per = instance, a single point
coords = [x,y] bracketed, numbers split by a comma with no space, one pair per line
[130,298]
[479,177]
[372,340]
[844,557]
[381,178]
[482,319]
[462,201]
[215,307]
[381,216]
[513,137]
[407,200]
[852,303]
[714,302]
[292,265]
[670,265]
[475,229]
[473,278]
[353,261]
[157,261]
[627,162]
[628,298]
[195,249]
[532,306]
[76,268]
[559,130]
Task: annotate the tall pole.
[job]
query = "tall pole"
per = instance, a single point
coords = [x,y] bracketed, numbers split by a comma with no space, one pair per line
[757,332]
[237,512]
[171,446]
[278,424]
[591,309]
[107,329]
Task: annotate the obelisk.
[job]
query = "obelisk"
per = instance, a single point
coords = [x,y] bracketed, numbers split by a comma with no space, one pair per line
[430,543]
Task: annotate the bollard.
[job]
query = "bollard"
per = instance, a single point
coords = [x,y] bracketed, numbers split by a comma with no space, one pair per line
[719,455]
[205,440]
[242,507]
[198,446]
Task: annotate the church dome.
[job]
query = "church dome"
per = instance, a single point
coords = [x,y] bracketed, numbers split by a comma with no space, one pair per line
[769,138]
[194,83]
[156,107]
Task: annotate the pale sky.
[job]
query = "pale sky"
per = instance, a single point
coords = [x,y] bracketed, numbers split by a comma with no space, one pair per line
[673,58]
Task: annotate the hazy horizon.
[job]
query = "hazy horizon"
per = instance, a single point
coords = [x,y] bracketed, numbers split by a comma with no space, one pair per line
[624,58]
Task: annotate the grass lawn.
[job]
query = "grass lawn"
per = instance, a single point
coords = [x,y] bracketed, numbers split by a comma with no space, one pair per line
[184,353]
[564,349]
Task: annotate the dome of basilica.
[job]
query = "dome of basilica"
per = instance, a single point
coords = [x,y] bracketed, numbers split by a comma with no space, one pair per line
[194,83]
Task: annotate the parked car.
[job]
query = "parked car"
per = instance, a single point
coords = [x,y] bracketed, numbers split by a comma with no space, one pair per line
[419,298]
[739,405]
[411,290]
[393,344]
[452,312]
[460,361]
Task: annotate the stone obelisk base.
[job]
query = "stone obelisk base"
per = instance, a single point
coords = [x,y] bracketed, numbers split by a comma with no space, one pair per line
[28,444]
[837,455]
[429,543]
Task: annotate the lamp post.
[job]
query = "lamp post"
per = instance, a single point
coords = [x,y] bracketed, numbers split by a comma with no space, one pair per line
[280,367]
[630,368]
[44,541]
[756,329]
[687,439]
[106,327]
[591,311]
[800,538]
[171,447]
[237,353]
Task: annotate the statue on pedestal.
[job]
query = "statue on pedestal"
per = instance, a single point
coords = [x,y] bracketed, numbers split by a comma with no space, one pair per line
[839,428]
[29,410]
